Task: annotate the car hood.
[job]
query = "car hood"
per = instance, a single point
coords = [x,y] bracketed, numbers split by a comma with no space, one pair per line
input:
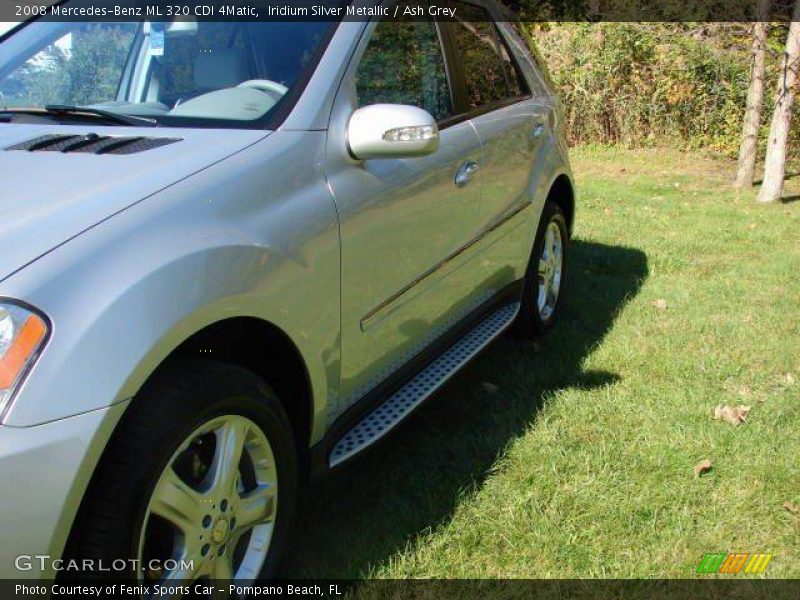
[48,197]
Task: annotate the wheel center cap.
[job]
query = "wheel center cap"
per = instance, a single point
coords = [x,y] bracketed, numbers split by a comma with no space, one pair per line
[219,533]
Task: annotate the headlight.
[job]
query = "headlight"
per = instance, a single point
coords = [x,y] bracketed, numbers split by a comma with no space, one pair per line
[22,336]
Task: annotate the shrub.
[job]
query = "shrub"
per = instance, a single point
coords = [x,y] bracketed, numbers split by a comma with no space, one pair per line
[648,84]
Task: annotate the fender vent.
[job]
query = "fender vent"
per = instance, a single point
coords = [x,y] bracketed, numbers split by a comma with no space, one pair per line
[92,143]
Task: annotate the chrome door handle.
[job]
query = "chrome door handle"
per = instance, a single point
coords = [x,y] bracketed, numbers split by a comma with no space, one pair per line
[466,172]
[538,130]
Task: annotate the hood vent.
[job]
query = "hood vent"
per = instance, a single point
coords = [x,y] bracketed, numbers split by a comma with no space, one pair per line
[92,143]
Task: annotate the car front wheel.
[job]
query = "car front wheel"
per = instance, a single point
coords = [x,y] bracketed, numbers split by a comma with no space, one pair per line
[198,483]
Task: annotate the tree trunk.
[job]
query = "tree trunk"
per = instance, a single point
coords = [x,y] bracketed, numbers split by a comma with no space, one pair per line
[775,167]
[755,102]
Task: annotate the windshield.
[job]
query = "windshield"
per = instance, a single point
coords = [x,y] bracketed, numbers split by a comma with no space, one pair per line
[183,73]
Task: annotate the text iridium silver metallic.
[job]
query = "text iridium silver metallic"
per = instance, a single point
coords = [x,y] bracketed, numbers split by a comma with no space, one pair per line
[355,262]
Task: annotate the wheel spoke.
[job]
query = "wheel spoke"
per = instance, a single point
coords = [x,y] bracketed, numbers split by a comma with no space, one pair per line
[210,522]
[551,296]
[257,506]
[541,298]
[542,267]
[178,503]
[549,241]
[230,445]
[222,568]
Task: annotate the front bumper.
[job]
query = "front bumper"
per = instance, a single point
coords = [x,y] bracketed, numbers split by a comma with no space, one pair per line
[44,471]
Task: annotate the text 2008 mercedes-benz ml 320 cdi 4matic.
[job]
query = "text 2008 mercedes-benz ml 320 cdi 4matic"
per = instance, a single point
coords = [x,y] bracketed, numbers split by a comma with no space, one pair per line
[236,255]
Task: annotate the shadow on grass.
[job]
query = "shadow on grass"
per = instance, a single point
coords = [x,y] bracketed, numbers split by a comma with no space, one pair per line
[412,482]
[790,199]
[787,176]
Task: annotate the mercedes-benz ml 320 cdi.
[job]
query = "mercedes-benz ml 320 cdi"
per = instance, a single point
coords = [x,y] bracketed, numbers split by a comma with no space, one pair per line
[236,255]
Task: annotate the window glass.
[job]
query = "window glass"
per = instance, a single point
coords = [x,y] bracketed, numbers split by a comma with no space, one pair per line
[489,70]
[82,65]
[403,64]
[515,85]
[175,69]
[477,46]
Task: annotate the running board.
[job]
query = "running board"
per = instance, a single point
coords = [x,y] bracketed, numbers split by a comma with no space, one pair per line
[401,403]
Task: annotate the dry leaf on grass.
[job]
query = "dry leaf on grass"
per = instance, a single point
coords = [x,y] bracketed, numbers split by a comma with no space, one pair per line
[704,466]
[789,379]
[732,414]
[791,507]
[490,387]
[660,304]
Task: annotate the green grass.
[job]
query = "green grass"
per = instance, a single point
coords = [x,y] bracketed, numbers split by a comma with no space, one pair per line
[580,463]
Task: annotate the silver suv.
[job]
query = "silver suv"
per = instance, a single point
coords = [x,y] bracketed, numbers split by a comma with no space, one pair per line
[236,255]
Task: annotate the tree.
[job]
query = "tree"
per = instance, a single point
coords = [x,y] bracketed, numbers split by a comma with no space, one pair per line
[775,167]
[755,99]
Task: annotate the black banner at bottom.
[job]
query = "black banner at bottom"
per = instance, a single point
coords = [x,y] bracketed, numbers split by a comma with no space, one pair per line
[457,589]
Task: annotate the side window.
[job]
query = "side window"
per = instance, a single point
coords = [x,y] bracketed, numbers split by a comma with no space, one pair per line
[489,71]
[516,87]
[403,64]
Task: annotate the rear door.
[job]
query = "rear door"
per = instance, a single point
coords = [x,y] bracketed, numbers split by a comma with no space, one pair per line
[511,120]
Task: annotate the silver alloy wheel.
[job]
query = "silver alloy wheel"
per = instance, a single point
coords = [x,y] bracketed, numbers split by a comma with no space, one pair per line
[221,525]
[551,263]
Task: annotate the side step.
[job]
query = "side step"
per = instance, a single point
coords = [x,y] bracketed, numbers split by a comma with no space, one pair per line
[402,402]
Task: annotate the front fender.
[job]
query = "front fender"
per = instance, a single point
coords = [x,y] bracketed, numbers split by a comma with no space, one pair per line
[224,243]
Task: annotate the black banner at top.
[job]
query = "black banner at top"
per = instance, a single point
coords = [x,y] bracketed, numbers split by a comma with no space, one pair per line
[336,10]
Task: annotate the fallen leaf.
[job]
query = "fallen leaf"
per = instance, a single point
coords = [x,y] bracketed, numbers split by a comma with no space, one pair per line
[751,226]
[660,304]
[704,466]
[490,387]
[789,378]
[791,507]
[732,414]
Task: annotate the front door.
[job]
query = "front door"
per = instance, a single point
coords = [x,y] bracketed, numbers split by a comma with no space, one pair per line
[404,222]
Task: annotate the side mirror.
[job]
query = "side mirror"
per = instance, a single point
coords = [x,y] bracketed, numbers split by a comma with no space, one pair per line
[391,131]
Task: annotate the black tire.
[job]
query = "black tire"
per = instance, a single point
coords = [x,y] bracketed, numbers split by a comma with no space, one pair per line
[530,322]
[179,399]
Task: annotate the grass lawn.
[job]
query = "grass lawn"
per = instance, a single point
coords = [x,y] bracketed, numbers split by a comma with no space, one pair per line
[574,456]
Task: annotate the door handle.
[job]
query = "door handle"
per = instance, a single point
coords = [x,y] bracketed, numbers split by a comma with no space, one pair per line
[466,172]
[538,130]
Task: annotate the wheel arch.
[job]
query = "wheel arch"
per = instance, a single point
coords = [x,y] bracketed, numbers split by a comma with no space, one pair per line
[266,350]
[235,340]
[562,192]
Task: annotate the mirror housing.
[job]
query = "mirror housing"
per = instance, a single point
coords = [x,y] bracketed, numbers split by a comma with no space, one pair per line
[391,131]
